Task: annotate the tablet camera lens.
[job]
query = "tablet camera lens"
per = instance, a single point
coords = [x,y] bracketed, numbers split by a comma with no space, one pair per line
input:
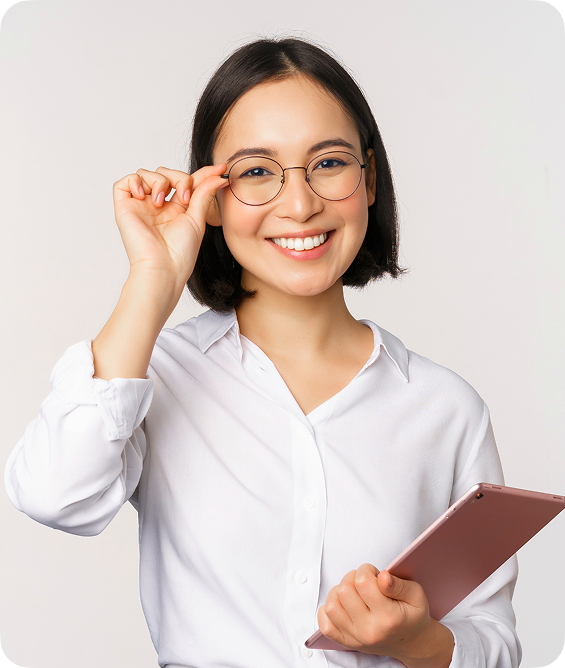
[479,496]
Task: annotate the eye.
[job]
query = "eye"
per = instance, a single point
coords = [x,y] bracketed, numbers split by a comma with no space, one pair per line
[255,172]
[329,163]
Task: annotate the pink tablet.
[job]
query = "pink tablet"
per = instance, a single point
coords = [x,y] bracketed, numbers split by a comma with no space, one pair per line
[473,538]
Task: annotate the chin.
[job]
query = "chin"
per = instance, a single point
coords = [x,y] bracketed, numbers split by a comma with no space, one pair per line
[306,289]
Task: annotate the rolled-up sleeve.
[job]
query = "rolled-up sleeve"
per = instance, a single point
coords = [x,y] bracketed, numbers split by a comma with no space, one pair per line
[81,459]
[483,624]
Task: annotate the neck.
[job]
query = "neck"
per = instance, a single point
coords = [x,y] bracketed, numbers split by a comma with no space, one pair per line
[289,325]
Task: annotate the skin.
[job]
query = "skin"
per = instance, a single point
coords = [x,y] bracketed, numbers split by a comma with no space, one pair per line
[298,316]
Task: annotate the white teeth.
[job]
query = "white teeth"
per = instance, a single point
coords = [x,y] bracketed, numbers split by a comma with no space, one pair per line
[299,244]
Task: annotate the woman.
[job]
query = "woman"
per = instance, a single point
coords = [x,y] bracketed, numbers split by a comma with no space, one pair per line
[278,451]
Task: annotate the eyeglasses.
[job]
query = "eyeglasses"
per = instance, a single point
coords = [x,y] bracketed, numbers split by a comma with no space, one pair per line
[256,180]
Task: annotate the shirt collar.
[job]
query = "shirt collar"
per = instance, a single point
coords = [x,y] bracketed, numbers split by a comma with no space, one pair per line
[393,347]
[212,326]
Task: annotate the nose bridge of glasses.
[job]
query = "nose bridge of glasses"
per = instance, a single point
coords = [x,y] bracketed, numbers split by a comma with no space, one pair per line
[286,169]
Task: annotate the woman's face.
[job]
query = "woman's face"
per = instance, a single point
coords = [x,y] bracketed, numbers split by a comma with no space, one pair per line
[289,118]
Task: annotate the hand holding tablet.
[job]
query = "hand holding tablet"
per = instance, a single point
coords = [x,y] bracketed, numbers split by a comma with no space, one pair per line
[464,546]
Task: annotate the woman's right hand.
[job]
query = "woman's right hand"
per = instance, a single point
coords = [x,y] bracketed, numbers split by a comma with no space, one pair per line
[165,236]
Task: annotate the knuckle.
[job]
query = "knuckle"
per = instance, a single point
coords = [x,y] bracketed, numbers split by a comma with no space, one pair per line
[344,591]
[120,183]
[332,595]
[398,586]
[362,580]
[350,576]
[326,629]
[418,589]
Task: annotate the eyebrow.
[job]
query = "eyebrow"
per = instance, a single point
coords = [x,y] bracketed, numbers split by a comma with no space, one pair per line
[270,153]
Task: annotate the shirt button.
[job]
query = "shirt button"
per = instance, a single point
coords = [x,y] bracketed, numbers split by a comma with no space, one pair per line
[306,653]
[301,577]
[309,502]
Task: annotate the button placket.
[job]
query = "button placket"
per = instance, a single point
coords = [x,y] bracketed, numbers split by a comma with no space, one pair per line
[305,551]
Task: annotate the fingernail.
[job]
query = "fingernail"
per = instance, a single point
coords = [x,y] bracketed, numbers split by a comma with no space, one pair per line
[160,198]
[186,195]
[141,191]
[390,580]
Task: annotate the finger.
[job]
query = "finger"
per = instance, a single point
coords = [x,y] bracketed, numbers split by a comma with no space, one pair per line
[348,577]
[180,181]
[185,184]
[367,586]
[158,184]
[402,590]
[130,186]
[336,611]
[352,603]
[328,628]
[203,173]
[202,198]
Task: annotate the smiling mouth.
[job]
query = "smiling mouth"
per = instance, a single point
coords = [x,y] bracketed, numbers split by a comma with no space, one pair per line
[299,244]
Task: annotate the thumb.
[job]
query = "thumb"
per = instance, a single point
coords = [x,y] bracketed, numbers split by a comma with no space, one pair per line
[402,590]
[202,197]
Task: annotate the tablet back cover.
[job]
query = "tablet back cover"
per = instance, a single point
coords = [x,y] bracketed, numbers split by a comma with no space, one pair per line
[464,546]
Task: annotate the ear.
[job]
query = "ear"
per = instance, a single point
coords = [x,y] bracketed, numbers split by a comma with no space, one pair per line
[213,216]
[371,177]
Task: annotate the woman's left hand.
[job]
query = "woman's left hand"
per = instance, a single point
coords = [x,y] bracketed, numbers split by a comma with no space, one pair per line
[381,614]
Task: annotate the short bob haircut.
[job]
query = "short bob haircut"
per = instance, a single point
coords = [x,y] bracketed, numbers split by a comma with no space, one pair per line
[216,280]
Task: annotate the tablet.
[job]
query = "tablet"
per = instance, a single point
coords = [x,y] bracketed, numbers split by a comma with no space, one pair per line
[473,538]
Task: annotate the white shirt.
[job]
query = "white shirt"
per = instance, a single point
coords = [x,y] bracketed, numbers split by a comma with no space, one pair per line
[249,510]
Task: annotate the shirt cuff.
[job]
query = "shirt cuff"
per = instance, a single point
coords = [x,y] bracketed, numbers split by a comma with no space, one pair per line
[468,651]
[123,402]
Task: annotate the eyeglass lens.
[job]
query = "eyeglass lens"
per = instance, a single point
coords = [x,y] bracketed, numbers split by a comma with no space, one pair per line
[258,180]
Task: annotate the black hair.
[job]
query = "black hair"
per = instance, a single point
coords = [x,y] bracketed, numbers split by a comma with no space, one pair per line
[216,280]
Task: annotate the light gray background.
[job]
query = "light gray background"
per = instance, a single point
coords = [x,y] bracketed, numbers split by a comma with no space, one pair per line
[470,99]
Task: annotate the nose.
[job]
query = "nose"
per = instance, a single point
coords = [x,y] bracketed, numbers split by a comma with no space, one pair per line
[297,200]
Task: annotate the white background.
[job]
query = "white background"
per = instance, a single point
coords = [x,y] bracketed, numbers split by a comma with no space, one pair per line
[469,97]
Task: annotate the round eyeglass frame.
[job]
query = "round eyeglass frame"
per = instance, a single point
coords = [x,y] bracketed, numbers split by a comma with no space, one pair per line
[284,169]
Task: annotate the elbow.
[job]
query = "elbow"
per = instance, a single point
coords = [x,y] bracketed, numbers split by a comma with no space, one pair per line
[84,517]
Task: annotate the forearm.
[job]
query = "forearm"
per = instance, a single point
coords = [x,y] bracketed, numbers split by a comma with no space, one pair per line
[124,346]
[433,649]
[82,456]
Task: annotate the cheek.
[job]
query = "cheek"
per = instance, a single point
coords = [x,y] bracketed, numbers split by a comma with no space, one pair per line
[239,221]
[356,213]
